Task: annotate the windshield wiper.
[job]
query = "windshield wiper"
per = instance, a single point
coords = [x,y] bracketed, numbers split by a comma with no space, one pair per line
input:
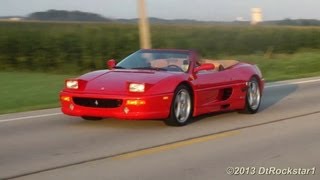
[151,68]
[119,67]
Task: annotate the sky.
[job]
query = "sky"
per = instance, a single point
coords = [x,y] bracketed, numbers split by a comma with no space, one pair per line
[207,10]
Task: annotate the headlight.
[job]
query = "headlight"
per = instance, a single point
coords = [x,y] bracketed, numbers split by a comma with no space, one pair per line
[72,84]
[135,87]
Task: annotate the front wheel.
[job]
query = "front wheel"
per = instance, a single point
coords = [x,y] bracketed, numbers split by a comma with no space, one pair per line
[253,97]
[181,107]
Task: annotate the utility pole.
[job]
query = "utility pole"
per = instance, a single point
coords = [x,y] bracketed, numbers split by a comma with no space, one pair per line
[144,29]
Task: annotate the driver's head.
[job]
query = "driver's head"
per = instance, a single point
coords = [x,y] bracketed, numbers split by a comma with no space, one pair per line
[185,65]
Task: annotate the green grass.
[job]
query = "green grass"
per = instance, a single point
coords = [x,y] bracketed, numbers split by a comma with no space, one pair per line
[286,66]
[21,91]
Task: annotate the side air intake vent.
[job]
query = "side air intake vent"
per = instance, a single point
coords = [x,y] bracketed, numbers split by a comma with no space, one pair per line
[226,93]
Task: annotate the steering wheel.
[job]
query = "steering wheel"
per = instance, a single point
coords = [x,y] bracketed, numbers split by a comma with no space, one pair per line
[174,67]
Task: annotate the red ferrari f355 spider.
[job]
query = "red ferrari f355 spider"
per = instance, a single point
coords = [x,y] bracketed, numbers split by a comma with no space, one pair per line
[173,85]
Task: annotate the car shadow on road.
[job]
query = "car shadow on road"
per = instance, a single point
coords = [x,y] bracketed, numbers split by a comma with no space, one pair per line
[120,124]
[273,95]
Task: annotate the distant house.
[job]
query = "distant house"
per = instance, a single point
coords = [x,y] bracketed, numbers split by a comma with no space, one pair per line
[15,19]
[11,18]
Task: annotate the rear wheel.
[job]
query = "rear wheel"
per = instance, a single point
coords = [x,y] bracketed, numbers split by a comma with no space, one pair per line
[90,118]
[181,107]
[253,97]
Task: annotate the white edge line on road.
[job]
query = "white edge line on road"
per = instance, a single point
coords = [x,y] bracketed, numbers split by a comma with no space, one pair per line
[291,83]
[29,117]
[55,114]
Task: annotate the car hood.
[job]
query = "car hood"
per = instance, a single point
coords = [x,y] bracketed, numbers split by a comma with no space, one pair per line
[116,81]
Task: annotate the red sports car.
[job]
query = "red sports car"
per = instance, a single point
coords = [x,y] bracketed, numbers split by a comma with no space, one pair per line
[173,85]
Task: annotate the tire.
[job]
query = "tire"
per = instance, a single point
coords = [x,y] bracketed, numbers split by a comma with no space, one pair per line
[253,97]
[90,118]
[181,107]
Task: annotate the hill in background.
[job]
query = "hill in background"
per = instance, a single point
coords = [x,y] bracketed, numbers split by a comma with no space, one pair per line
[62,15]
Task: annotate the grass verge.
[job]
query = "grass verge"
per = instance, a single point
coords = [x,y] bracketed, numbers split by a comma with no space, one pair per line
[23,91]
[277,67]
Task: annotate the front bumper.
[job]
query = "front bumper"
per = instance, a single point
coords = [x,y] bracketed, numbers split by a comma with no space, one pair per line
[153,107]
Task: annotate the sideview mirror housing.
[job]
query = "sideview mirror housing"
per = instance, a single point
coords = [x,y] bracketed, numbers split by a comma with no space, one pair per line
[204,67]
[111,63]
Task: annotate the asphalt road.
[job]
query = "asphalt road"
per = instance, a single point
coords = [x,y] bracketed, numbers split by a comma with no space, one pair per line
[281,139]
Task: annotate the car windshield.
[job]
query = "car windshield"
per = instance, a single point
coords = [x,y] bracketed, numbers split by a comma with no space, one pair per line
[156,60]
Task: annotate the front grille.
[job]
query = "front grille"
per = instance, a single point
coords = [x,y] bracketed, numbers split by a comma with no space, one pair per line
[97,103]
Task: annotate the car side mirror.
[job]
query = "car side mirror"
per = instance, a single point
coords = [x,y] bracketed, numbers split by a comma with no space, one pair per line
[204,67]
[111,63]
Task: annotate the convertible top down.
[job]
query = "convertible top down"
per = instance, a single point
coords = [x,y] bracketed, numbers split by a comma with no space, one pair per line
[173,85]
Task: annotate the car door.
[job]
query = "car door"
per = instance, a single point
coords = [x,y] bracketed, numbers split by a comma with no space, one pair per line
[210,88]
